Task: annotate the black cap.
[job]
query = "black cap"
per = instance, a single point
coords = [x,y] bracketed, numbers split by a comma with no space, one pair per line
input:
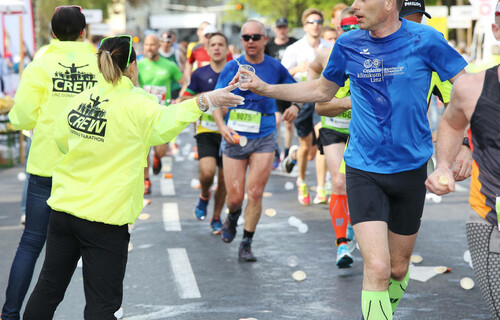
[413,6]
[282,22]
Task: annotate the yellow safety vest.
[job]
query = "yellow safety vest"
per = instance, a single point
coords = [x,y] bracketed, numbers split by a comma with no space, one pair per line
[48,83]
[105,134]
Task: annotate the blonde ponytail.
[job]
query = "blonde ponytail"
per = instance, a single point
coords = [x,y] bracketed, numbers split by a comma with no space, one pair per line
[109,69]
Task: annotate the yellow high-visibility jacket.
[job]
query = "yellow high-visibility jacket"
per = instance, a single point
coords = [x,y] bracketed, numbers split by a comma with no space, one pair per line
[48,83]
[105,135]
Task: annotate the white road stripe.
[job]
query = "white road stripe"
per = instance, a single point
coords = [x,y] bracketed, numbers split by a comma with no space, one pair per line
[183,273]
[166,164]
[167,186]
[171,217]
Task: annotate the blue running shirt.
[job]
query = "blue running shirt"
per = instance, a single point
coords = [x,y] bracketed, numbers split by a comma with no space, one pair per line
[390,79]
[271,71]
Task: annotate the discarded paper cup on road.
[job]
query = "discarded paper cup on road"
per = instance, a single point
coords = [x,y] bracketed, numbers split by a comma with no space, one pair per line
[195,183]
[303,228]
[415,258]
[289,185]
[292,261]
[299,275]
[144,216]
[241,140]
[442,269]
[294,222]
[270,212]
[467,283]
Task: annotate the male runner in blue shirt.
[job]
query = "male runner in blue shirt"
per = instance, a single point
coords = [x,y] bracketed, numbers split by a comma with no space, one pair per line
[389,63]
[256,121]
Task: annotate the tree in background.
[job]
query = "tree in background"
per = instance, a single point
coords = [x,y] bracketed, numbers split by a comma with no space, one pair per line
[44,9]
[291,9]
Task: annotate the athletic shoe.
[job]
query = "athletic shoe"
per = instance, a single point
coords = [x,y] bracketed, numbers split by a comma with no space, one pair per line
[276,162]
[289,160]
[245,252]
[200,211]
[156,165]
[303,194]
[216,226]
[147,186]
[350,232]
[320,197]
[344,258]
[228,231]
[351,244]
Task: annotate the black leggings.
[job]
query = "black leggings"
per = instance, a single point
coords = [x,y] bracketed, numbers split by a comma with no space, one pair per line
[104,250]
[484,246]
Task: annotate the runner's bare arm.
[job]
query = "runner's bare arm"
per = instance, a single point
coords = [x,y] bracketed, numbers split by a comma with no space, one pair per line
[317,66]
[450,131]
[458,75]
[319,90]
[224,130]
[334,107]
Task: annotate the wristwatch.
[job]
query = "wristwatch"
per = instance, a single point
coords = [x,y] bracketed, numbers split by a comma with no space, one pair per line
[201,104]
[465,142]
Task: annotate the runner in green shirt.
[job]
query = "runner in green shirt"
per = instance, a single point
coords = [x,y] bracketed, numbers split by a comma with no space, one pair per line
[156,75]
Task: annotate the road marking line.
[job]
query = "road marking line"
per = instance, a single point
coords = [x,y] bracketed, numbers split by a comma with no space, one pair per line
[183,273]
[171,221]
[166,164]
[9,228]
[167,186]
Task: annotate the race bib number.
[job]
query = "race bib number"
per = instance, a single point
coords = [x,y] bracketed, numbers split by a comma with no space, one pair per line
[244,120]
[339,123]
[207,121]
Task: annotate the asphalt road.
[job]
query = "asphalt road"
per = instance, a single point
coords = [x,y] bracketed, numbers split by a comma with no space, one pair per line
[178,270]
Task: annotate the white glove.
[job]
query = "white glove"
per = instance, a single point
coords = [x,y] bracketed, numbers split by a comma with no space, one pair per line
[223,97]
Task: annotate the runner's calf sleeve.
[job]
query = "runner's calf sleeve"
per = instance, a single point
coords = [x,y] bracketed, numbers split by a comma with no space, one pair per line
[485,253]
[339,214]
[396,290]
[375,305]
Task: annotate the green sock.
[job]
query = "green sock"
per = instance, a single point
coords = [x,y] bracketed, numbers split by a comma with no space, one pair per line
[396,290]
[376,305]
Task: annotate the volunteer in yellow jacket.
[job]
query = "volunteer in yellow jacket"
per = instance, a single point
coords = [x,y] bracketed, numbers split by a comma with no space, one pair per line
[67,67]
[105,134]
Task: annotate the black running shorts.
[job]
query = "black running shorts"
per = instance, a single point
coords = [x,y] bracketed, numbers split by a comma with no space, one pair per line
[398,198]
[208,146]
[330,136]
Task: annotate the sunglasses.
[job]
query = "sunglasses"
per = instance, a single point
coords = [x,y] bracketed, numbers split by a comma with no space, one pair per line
[254,37]
[318,21]
[72,6]
[349,27]
[122,36]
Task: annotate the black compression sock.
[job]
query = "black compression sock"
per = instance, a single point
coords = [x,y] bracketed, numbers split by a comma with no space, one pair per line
[233,216]
[248,234]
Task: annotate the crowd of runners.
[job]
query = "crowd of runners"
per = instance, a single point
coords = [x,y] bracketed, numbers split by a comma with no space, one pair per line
[353,91]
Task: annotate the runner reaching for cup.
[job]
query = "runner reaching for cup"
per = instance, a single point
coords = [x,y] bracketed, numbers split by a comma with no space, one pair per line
[255,121]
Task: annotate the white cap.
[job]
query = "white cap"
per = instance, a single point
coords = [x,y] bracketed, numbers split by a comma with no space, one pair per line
[209,29]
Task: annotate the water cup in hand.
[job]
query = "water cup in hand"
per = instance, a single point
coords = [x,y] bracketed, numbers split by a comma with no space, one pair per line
[246,72]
